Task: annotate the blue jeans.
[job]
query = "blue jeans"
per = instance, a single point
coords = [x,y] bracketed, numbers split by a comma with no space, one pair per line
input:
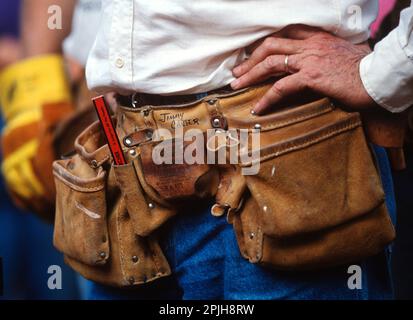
[206,263]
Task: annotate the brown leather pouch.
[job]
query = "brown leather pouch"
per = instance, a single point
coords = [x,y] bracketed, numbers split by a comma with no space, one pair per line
[147,210]
[81,229]
[173,183]
[388,130]
[100,210]
[317,200]
[165,184]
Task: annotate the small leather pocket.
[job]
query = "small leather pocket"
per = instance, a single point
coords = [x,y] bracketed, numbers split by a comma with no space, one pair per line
[81,230]
[166,175]
[147,210]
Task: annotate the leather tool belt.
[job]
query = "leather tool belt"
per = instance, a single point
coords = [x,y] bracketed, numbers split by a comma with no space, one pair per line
[315,202]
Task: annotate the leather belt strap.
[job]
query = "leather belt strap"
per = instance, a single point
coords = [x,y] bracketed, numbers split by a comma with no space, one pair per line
[145,99]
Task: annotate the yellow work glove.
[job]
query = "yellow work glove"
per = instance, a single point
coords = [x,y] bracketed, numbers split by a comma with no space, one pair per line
[34,98]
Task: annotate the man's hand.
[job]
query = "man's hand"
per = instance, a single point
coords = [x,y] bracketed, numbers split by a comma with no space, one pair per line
[317,61]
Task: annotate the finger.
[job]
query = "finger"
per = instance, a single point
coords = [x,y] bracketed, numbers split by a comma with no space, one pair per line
[270,46]
[298,32]
[271,66]
[281,89]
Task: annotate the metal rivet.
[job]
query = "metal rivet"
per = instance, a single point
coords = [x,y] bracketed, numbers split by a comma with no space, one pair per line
[252,235]
[128,142]
[102,255]
[265,208]
[94,164]
[212,101]
[257,126]
[135,259]
[253,112]
[134,100]
[132,152]
[151,205]
[131,280]
[216,122]
[149,134]
[146,112]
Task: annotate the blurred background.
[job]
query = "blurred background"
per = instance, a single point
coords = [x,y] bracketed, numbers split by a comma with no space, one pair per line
[26,242]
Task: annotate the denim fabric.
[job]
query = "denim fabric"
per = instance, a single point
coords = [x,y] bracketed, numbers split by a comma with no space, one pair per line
[26,247]
[403,248]
[206,263]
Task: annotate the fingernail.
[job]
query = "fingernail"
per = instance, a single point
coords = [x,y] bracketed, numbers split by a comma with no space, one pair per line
[235,84]
[257,108]
[236,70]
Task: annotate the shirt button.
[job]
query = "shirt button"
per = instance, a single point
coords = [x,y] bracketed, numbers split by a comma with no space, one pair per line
[120,63]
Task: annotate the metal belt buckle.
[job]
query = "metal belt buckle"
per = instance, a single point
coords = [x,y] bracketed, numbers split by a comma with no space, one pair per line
[134,101]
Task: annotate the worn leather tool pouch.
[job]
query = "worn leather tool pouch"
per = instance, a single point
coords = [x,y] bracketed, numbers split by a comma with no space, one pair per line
[317,200]
[102,220]
[157,146]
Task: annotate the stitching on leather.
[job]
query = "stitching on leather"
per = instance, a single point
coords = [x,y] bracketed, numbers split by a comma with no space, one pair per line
[310,142]
[78,188]
[155,260]
[259,249]
[106,158]
[297,119]
[331,132]
[121,256]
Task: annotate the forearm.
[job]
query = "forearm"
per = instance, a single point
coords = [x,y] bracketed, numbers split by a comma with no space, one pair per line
[36,36]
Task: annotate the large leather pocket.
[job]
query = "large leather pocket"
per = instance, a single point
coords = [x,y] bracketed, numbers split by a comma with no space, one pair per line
[81,230]
[345,243]
[317,180]
[317,200]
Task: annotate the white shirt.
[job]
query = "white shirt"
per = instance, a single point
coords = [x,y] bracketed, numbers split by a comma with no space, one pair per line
[174,47]
[387,73]
[85,25]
